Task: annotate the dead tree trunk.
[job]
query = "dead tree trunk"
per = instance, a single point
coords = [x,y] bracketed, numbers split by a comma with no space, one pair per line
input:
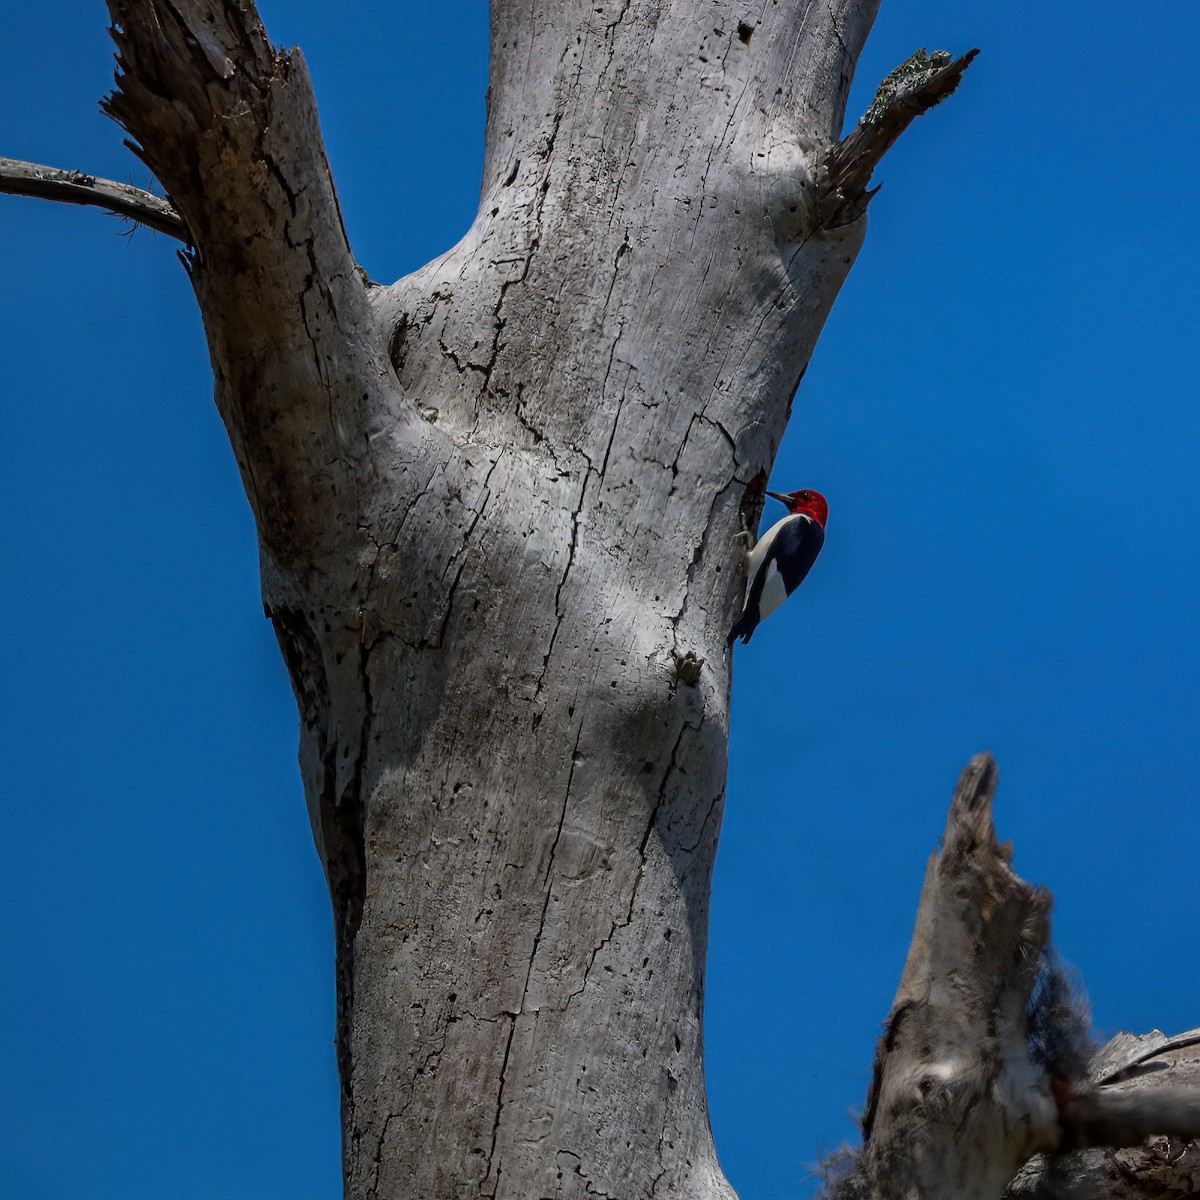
[496,504]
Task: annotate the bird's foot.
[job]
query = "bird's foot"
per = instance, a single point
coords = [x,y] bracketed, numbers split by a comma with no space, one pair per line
[744,541]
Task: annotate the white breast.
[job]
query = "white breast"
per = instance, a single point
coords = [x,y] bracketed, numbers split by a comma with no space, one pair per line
[773,593]
[764,544]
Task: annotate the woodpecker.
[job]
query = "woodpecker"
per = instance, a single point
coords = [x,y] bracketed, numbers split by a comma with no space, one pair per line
[781,558]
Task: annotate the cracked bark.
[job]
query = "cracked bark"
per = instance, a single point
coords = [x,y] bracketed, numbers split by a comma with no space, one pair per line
[496,504]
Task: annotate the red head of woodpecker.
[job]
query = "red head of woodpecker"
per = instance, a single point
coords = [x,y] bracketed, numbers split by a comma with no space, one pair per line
[810,503]
[781,558]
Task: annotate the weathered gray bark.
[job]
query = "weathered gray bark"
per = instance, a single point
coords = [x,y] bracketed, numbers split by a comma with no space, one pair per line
[958,1102]
[496,504]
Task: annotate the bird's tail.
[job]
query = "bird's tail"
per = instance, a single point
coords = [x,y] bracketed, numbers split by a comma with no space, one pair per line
[743,628]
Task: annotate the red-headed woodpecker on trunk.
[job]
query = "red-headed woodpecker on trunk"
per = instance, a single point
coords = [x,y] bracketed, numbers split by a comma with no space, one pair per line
[781,558]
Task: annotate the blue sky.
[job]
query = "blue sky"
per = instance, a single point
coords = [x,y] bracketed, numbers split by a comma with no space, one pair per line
[1001,412]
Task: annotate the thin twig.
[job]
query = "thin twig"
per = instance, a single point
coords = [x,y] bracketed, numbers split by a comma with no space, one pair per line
[77,187]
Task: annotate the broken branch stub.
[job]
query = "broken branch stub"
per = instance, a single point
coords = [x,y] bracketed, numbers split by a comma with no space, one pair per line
[957,1101]
[911,89]
[986,1076]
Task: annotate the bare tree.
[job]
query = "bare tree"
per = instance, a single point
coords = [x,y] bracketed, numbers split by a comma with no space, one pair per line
[497,502]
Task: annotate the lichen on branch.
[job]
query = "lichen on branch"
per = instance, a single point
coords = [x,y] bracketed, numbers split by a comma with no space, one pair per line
[914,87]
[18,178]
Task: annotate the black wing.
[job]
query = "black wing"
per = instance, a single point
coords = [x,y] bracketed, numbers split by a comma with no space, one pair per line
[792,553]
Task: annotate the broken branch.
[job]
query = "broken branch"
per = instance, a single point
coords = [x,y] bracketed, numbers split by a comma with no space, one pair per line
[20,178]
[986,1067]
[1126,1117]
[911,89]
[957,1102]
